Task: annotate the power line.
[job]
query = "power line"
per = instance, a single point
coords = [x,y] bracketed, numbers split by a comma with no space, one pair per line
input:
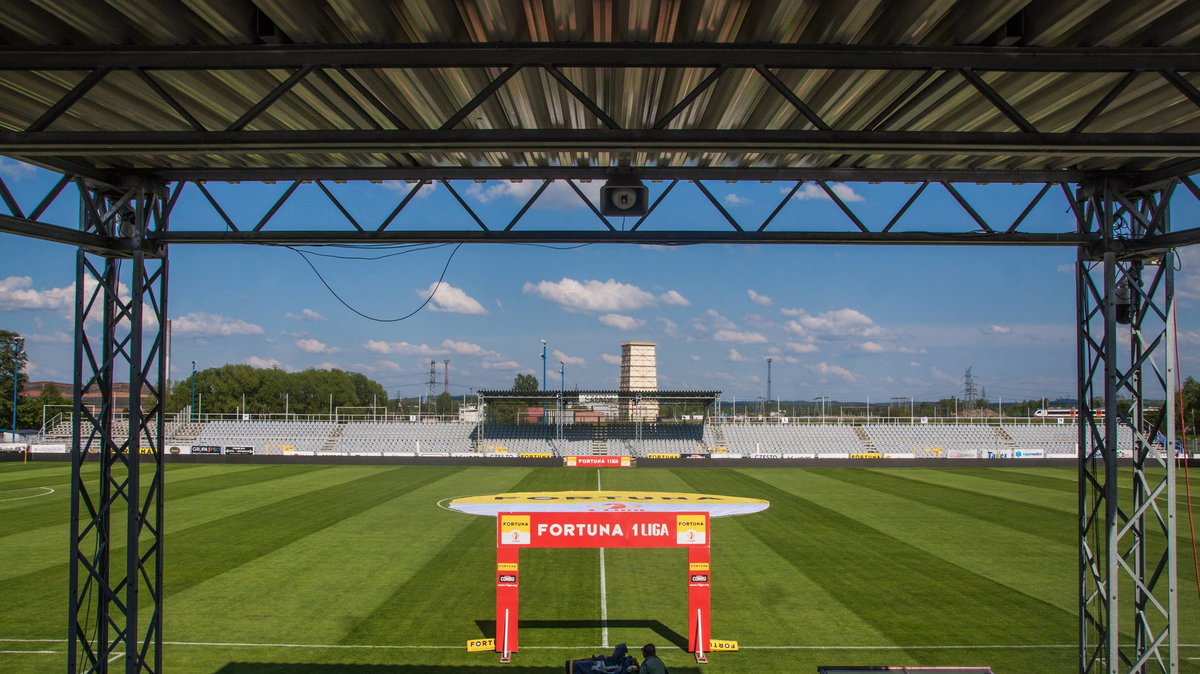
[304,255]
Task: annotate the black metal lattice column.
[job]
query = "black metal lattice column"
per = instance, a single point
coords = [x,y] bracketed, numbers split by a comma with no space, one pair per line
[116,569]
[1127,565]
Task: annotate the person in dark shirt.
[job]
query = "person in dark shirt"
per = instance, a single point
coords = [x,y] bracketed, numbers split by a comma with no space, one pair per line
[650,662]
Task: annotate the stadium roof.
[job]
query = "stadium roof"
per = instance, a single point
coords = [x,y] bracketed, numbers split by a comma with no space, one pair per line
[500,394]
[985,90]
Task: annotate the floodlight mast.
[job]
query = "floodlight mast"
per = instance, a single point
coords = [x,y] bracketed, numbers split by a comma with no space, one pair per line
[543,380]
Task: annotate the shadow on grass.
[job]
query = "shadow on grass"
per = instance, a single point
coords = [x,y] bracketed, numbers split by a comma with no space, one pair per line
[303,668]
[488,628]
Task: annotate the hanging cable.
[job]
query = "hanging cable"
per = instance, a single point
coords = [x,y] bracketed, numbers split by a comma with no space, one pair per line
[1187,478]
[338,297]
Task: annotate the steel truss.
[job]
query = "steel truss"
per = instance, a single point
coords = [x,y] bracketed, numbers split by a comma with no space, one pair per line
[116,566]
[1129,618]
[781,226]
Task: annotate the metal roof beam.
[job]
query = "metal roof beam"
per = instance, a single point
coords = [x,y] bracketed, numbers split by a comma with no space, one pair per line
[612,54]
[664,238]
[39,230]
[755,173]
[132,143]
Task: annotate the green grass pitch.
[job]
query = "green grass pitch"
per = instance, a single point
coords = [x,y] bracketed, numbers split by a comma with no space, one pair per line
[321,569]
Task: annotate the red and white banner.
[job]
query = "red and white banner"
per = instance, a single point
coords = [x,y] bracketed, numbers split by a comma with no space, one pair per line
[602,530]
[597,461]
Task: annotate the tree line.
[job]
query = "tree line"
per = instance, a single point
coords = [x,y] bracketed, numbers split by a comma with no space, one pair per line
[221,390]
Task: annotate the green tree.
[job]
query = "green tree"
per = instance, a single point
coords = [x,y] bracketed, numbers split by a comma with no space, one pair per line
[443,405]
[29,410]
[12,355]
[1190,397]
[220,390]
[525,383]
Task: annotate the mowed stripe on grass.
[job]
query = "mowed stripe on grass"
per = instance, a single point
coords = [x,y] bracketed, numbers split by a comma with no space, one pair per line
[361,556]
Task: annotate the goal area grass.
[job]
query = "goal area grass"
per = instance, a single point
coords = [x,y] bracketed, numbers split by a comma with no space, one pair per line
[338,568]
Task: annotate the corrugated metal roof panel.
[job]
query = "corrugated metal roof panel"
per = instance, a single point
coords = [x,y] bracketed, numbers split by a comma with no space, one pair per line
[636,98]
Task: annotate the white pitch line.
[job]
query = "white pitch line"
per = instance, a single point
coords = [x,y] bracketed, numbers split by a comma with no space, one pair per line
[22,498]
[603,587]
[30,652]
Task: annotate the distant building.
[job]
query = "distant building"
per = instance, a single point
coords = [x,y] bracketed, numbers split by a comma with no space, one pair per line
[639,372]
[34,389]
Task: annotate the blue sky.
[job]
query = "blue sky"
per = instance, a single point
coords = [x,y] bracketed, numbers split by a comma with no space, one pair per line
[849,322]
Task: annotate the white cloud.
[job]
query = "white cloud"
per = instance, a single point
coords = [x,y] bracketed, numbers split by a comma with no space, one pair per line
[736,336]
[610,359]
[673,298]
[17,293]
[760,299]
[264,363]
[558,196]
[1068,268]
[996,330]
[830,324]
[733,198]
[404,187]
[938,374]
[695,359]
[326,366]
[305,315]
[314,346]
[501,365]
[201,324]
[468,349]
[610,295]
[735,357]
[872,347]
[384,365]
[450,299]
[621,322]
[811,191]
[58,337]
[569,360]
[1187,280]
[801,348]
[718,321]
[403,348]
[15,170]
[827,370]
[669,326]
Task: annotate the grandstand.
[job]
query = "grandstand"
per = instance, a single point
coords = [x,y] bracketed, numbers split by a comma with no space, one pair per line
[816,439]
[267,437]
[807,439]
[800,438]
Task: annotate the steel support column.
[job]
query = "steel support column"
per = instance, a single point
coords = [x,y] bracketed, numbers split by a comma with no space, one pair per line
[116,567]
[1127,566]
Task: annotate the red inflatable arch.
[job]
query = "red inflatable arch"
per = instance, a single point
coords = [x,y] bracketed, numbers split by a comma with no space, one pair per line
[517,530]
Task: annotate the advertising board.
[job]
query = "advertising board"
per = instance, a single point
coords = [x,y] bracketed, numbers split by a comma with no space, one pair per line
[537,529]
[597,461]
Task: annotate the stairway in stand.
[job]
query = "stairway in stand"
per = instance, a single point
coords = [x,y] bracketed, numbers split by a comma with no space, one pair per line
[600,439]
[868,443]
[334,436]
